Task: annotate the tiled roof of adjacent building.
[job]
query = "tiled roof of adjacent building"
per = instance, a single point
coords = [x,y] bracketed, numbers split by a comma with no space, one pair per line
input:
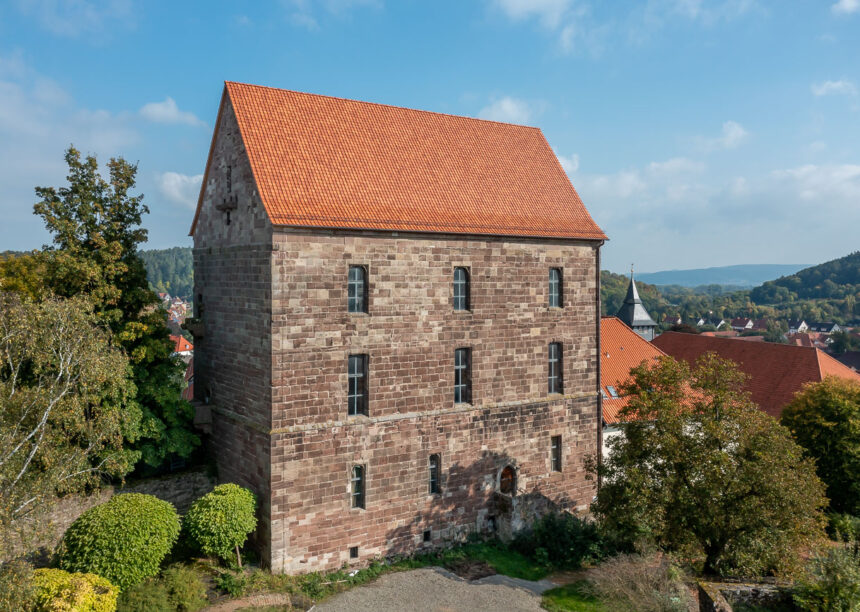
[328,162]
[776,371]
[620,350]
[180,344]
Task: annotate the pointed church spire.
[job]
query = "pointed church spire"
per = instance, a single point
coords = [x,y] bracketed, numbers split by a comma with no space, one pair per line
[633,313]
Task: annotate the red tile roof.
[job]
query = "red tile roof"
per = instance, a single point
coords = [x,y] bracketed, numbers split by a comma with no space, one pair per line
[180,344]
[620,350]
[334,163]
[776,371]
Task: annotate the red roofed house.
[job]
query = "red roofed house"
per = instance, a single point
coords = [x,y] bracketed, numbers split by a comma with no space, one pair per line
[776,371]
[398,324]
[181,346]
[621,349]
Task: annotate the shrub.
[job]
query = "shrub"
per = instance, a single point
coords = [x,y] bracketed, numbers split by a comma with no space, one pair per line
[220,521]
[125,539]
[148,596]
[179,588]
[833,583]
[56,591]
[843,527]
[640,584]
[561,540]
[16,586]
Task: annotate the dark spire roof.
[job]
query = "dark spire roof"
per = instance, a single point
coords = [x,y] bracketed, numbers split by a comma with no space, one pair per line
[632,312]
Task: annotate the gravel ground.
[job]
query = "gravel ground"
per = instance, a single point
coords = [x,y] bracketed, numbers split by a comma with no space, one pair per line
[437,590]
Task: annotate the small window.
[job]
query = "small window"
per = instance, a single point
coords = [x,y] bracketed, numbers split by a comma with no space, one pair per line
[555,453]
[357,391]
[462,376]
[508,481]
[434,475]
[461,289]
[612,390]
[555,291]
[428,535]
[353,552]
[357,289]
[357,486]
[554,379]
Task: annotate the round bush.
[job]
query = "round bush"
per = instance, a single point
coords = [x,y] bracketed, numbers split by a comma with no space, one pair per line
[124,540]
[221,520]
[57,590]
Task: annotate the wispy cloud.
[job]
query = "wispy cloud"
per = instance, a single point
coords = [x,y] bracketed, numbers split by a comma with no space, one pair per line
[306,13]
[168,112]
[508,110]
[570,163]
[180,188]
[731,136]
[827,88]
[846,7]
[78,18]
[548,12]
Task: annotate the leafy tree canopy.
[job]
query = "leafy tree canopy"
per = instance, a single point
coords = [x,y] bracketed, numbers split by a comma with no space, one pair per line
[701,471]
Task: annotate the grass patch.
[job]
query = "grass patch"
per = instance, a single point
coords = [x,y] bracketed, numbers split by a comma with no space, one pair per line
[571,598]
[501,558]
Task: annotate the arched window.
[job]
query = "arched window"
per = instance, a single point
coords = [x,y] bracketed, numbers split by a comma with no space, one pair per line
[357,289]
[461,289]
[508,481]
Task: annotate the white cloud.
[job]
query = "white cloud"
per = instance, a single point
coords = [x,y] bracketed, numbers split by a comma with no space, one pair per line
[76,18]
[507,110]
[846,7]
[180,188]
[827,185]
[841,87]
[676,166]
[569,163]
[549,12]
[731,136]
[168,112]
[304,13]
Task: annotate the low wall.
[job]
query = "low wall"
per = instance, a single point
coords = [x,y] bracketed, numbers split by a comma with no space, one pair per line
[179,489]
[722,596]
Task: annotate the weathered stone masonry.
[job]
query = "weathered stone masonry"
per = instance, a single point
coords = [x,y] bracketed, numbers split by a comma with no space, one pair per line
[272,364]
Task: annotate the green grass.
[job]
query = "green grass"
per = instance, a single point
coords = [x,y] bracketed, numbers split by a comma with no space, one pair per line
[502,559]
[571,598]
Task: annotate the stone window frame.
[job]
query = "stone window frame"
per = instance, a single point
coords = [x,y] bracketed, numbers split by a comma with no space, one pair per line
[358,487]
[434,468]
[461,301]
[556,288]
[362,307]
[556,453]
[555,368]
[463,375]
[362,391]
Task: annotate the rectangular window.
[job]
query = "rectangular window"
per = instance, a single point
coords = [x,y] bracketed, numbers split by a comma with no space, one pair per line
[555,378]
[461,289]
[357,391]
[357,486]
[555,453]
[612,391]
[462,376]
[434,475]
[555,288]
[356,289]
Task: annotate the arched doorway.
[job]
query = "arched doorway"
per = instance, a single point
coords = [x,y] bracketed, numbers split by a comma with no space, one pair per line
[508,481]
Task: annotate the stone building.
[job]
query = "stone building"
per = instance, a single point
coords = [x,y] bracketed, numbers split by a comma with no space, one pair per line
[397,318]
[633,313]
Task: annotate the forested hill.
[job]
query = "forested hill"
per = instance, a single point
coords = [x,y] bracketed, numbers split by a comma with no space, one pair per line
[744,276]
[170,270]
[837,279]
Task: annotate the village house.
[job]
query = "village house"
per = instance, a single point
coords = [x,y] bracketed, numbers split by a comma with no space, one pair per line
[742,324]
[396,331]
[775,371]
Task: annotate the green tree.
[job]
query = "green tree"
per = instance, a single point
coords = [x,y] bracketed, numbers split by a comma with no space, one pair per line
[842,342]
[824,418]
[701,471]
[96,229]
[63,392]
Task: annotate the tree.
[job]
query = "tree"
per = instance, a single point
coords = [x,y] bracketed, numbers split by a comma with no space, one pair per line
[63,391]
[824,418]
[702,472]
[96,228]
[842,342]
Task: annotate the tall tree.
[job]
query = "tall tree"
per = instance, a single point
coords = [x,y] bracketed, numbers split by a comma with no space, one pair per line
[64,411]
[96,229]
[701,471]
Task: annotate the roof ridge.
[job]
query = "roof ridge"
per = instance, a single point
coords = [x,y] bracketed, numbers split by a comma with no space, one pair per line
[383,104]
[796,346]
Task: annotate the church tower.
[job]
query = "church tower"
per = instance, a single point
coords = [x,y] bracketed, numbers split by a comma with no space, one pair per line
[633,313]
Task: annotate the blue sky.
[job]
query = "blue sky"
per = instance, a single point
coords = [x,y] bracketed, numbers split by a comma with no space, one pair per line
[697,133]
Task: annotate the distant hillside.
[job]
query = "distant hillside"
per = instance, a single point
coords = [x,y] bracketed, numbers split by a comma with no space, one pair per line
[748,276]
[170,270]
[837,279]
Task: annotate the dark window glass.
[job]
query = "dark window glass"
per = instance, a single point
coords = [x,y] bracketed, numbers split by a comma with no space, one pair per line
[357,289]
[434,474]
[357,391]
[353,552]
[555,287]
[554,379]
[461,289]
[462,376]
[555,453]
[357,486]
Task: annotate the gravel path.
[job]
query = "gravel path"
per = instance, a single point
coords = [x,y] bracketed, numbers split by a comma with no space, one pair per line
[437,590]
